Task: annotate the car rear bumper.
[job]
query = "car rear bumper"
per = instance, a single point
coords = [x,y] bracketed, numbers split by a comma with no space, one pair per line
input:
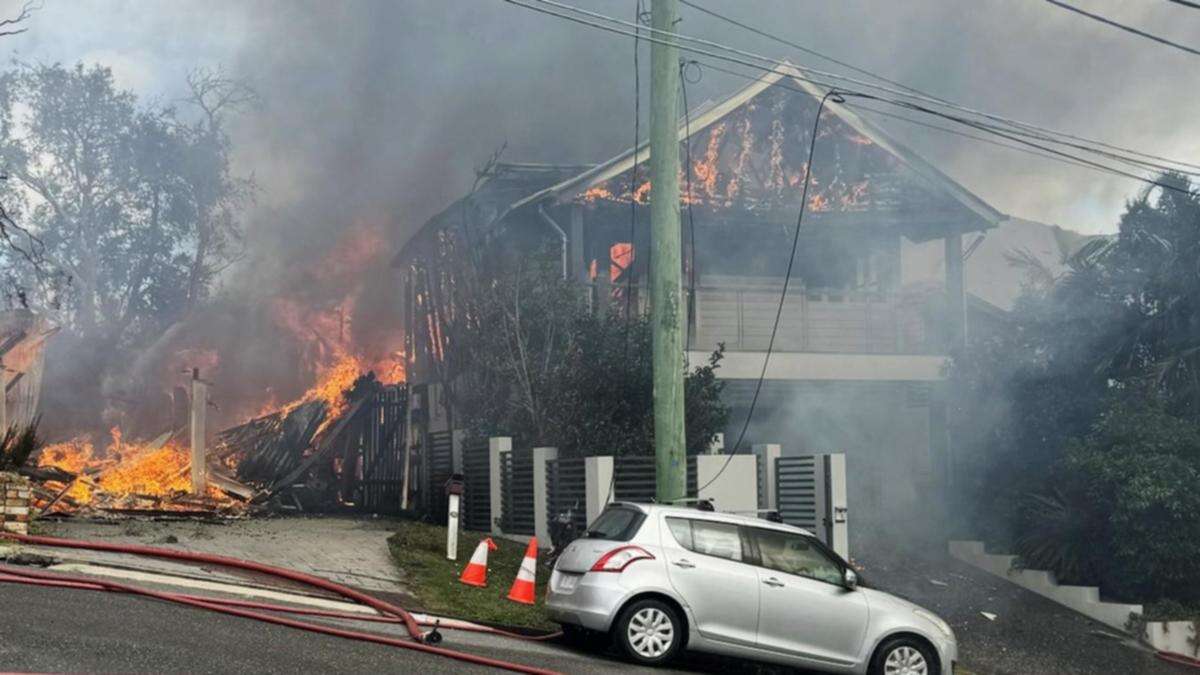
[592,602]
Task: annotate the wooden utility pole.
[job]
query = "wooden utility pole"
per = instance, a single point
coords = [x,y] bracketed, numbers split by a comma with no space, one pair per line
[666,277]
[199,413]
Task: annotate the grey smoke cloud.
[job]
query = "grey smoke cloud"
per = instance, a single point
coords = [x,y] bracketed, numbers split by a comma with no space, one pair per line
[387,106]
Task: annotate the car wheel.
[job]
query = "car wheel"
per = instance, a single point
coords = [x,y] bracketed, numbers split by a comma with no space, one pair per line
[904,656]
[650,632]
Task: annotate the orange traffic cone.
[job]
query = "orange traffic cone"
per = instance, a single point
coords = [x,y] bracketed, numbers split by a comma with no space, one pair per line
[522,588]
[475,573]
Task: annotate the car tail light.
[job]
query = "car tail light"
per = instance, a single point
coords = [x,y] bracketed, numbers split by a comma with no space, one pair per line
[619,558]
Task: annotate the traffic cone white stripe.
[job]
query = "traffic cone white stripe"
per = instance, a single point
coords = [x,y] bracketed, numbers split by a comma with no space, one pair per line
[475,573]
[523,586]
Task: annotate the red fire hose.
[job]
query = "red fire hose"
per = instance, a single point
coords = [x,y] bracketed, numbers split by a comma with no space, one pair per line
[235,608]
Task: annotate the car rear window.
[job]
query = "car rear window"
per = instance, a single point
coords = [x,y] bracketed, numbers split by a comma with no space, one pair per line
[617,523]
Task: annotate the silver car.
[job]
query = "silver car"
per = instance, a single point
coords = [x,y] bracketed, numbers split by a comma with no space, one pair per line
[659,579]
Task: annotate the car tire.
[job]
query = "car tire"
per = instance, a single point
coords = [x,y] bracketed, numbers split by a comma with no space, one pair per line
[902,652]
[649,632]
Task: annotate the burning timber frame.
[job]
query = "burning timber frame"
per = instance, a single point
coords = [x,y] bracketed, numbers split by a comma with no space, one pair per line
[849,329]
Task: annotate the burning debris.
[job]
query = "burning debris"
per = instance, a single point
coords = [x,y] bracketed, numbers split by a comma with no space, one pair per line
[78,477]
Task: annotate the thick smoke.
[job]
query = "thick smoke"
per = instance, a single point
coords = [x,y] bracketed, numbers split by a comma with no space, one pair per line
[376,113]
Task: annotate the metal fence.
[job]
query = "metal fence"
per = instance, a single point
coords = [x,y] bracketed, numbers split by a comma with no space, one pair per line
[439,463]
[477,502]
[566,489]
[516,484]
[798,486]
[383,448]
[634,478]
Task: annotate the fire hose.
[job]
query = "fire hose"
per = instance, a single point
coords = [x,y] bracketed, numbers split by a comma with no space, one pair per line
[390,613]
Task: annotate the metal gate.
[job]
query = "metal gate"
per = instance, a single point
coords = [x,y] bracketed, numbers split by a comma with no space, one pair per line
[516,486]
[438,462]
[634,478]
[383,447]
[811,493]
[566,488]
[477,502]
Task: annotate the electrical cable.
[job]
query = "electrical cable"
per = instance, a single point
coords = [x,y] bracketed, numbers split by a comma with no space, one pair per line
[637,122]
[687,145]
[675,38]
[812,144]
[982,126]
[1186,3]
[798,47]
[1058,157]
[1121,26]
[919,92]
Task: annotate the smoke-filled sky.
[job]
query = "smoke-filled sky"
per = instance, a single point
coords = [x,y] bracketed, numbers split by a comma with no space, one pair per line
[384,108]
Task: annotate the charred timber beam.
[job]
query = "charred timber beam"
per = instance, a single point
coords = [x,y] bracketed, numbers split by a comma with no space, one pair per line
[562,235]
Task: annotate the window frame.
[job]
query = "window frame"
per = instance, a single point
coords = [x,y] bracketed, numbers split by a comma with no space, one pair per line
[624,535]
[747,553]
[829,553]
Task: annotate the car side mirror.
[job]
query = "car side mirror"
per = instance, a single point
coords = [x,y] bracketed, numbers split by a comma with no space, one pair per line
[850,579]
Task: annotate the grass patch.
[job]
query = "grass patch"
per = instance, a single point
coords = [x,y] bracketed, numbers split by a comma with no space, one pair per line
[419,550]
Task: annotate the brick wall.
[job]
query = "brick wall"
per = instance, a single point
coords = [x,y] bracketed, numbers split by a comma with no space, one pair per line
[14,503]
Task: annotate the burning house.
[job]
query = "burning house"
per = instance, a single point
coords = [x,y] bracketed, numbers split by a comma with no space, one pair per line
[858,364]
[23,337]
[300,406]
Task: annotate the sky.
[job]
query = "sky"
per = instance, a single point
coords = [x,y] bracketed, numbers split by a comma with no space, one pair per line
[384,109]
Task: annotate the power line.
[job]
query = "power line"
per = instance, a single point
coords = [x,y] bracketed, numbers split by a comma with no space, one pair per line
[1127,29]
[933,98]
[1186,3]
[812,144]
[1018,127]
[798,47]
[1045,152]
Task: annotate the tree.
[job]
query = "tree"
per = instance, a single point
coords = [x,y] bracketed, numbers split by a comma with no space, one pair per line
[131,205]
[128,211]
[1091,467]
[526,356]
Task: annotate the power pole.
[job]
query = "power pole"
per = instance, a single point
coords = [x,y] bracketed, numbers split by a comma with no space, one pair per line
[666,277]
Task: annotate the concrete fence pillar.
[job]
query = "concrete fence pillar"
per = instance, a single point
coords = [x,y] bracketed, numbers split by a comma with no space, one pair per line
[767,453]
[541,497]
[734,486]
[598,485]
[497,446]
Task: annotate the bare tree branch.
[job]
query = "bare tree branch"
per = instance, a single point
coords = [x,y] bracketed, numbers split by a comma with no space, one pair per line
[8,26]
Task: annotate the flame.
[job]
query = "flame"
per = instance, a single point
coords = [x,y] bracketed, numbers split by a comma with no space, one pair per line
[124,474]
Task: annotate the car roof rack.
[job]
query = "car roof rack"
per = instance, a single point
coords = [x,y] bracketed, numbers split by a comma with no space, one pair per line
[769,514]
[699,503]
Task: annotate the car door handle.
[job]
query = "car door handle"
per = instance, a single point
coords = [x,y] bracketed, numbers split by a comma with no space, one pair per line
[684,564]
[773,582]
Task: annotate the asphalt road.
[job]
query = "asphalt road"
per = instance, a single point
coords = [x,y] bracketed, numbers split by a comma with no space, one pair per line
[70,631]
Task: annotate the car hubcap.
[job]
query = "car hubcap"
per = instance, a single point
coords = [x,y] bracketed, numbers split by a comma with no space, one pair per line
[651,632]
[905,661]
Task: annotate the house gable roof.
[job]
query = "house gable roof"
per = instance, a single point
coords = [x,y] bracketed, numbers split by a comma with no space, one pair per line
[978,213]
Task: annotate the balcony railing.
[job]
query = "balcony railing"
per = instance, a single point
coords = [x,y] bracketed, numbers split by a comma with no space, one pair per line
[740,311]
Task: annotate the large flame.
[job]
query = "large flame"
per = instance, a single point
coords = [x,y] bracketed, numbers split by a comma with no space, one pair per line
[123,474]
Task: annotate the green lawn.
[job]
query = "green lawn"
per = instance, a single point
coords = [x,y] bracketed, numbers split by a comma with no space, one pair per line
[420,552]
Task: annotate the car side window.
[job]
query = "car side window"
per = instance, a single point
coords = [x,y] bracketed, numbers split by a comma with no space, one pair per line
[796,554]
[720,540]
[681,529]
[716,539]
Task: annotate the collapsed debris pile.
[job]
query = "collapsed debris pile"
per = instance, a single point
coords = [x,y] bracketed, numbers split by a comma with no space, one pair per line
[123,477]
[305,456]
